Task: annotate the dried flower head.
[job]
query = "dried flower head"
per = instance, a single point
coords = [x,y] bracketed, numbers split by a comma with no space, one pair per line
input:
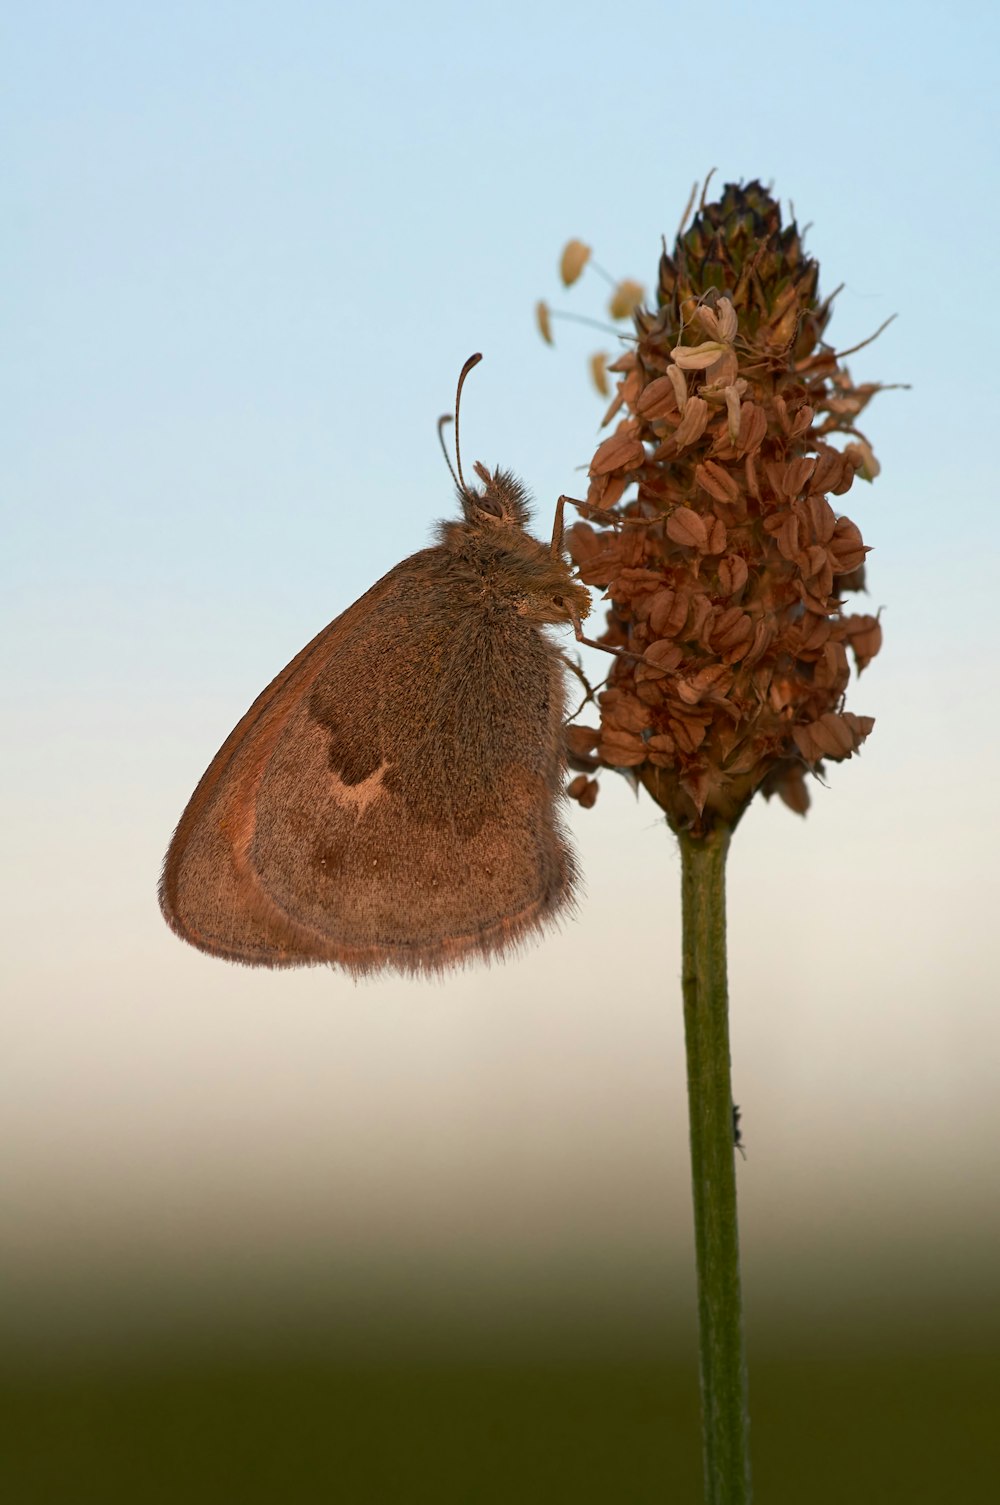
[727,568]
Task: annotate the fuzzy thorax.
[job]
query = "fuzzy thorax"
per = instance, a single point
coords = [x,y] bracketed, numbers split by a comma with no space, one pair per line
[502,562]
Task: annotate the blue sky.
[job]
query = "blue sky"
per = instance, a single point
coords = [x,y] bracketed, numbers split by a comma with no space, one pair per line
[249,248]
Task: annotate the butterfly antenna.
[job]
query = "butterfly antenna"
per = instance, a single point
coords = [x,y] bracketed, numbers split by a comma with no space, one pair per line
[446,418]
[470,363]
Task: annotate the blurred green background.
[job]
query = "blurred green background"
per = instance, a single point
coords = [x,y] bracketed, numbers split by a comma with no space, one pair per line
[874,1377]
[870,1417]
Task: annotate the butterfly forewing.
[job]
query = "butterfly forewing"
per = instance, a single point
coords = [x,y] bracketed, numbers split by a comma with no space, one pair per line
[390,799]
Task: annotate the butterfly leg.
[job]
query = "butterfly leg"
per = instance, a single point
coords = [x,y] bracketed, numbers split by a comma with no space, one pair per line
[557,523]
[592,642]
[557,537]
[589,691]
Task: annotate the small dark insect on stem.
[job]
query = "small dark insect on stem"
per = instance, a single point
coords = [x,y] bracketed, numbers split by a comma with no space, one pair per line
[737,1131]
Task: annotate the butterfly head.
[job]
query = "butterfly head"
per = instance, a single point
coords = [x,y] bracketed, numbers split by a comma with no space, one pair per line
[494,546]
[501,501]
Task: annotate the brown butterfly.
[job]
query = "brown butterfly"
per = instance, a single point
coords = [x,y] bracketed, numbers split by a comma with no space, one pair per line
[391,799]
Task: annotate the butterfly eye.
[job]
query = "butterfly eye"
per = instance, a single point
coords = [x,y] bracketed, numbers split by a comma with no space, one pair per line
[558,600]
[487,504]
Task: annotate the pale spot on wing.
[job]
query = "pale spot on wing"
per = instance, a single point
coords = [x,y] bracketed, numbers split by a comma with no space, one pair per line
[358,797]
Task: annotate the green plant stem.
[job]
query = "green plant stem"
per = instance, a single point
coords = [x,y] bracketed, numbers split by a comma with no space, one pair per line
[725,1422]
